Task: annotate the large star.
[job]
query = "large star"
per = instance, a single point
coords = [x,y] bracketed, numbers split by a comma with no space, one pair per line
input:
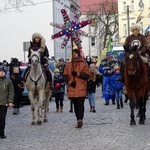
[71,29]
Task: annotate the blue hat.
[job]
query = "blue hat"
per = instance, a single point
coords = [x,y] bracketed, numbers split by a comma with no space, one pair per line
[109,53]
[3,68]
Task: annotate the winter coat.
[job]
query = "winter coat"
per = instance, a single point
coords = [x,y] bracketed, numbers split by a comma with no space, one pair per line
[6,91]
[116,81]
[107,65]
[58,79]
[138,40]
[92,84]
[17,80]
[82,69]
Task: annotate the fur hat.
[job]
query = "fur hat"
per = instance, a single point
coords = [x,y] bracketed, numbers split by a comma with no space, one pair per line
[43,41]
[135,26]
[76,51]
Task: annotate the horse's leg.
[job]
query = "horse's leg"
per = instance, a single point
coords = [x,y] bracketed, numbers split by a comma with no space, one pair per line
[132,106]
[141,111]
[40,105]
[31,98]
[47,98]
[144,108]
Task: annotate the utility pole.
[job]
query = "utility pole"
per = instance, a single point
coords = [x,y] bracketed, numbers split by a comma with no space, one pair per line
[128,21]
[89,40]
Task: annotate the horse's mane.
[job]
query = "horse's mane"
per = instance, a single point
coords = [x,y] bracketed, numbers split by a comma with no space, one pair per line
[133,50]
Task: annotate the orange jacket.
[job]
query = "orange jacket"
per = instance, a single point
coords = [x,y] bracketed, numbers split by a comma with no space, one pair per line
[82,70]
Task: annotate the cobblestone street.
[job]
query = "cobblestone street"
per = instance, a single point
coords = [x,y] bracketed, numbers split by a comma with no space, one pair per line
[107,129]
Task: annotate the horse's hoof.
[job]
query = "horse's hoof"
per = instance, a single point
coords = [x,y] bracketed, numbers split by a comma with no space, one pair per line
[39,122]
[45,120]
[141,121]
[132,123]
[33,123]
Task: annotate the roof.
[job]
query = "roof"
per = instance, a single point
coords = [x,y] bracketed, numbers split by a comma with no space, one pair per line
[87,5]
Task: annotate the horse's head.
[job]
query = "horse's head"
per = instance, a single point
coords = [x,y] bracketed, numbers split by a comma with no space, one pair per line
[132,60]
[35,57]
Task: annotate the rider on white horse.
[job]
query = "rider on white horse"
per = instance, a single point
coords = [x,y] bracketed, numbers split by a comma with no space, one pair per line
[38,42]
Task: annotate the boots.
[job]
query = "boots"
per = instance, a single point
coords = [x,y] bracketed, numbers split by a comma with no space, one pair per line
[94,111]
[91,108]
[118,106]
[61,108]
[15,111]
[57,109]
[121,104]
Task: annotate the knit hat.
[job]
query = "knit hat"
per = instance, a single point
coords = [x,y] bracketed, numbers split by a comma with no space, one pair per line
[61,59]
[135,27]
[3,68]
[92,66]
[76,51]
[56,70]
[109,53]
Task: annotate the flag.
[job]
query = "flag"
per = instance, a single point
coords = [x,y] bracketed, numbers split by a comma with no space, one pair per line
[110,43]
[139,17]
[105,50]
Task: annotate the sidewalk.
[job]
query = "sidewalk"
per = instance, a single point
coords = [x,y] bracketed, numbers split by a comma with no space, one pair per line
[107,129]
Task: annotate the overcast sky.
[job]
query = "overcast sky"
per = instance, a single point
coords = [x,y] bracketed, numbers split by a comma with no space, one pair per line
[17,27]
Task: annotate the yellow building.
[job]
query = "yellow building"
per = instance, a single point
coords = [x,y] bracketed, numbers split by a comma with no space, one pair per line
[131,11]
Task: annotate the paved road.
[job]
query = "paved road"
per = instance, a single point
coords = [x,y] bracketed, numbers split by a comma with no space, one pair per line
[107,129]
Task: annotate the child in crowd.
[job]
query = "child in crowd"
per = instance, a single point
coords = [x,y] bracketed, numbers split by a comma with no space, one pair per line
[94,79]
[118,87]
[58,90]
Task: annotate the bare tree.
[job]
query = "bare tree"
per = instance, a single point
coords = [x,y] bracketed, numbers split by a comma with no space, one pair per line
[105,21]
[14,4]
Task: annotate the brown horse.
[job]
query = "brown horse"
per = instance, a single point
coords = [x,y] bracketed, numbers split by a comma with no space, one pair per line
[136,82]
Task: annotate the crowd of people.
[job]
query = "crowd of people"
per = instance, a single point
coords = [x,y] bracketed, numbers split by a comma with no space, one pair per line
[77,76]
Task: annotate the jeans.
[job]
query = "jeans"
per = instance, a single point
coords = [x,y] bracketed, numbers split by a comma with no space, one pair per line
[91,97]
[118,96]
[79,107]
[3,112]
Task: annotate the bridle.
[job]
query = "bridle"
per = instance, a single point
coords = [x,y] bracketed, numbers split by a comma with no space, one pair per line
[35,82]
[132,71]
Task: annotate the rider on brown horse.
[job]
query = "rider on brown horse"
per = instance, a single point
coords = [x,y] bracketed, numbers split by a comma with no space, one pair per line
[38,42]
[136,38]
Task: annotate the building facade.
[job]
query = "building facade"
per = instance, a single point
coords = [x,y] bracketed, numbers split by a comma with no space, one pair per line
[130,12]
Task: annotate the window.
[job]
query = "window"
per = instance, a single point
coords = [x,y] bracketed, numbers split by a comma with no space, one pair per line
[124,7]
[132,5]
[92,41]
[124,30]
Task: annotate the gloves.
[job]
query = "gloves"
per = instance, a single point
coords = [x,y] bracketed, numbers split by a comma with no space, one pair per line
[74,73]
[73,84]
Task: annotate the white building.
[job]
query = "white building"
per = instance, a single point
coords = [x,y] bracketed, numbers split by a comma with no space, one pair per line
[70,6]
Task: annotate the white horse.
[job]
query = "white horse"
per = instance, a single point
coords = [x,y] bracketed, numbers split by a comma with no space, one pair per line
[38,88]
